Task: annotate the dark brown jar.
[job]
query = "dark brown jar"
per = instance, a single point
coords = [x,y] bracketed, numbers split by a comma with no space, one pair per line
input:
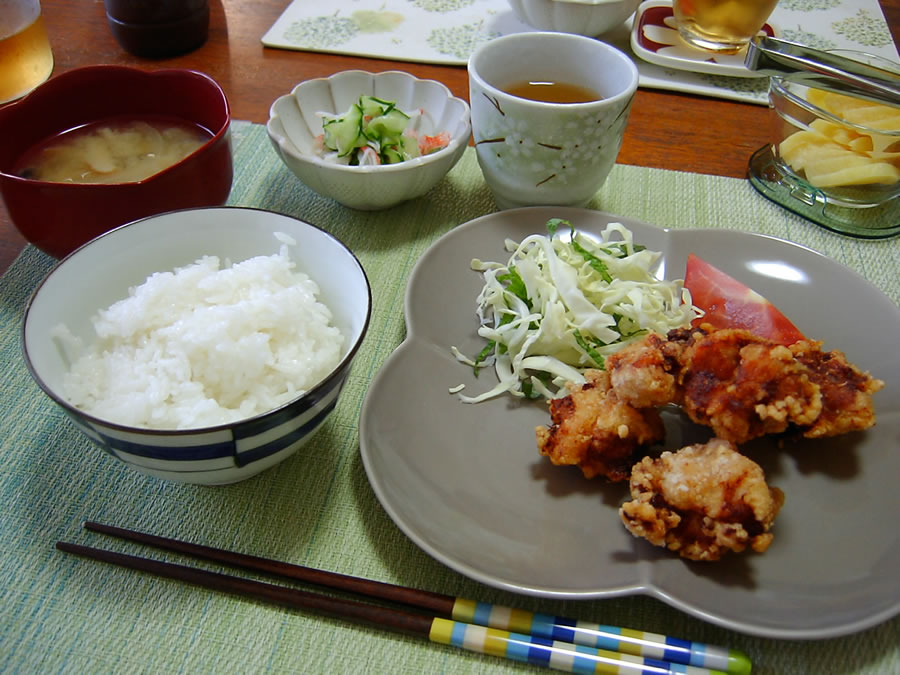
[158,28]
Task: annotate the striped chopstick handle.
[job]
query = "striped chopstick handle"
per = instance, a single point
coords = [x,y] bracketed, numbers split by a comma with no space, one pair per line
[608,638]
[565,656]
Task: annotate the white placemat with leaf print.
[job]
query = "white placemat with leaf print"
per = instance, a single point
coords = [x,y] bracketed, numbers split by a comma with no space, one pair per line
[447,31]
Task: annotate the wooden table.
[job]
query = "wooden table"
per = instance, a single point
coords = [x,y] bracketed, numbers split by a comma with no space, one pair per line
[666,130]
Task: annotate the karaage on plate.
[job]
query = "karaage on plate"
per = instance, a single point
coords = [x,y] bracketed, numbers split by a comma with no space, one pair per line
[595,431]
[744,386]
[846,391]
[702,502]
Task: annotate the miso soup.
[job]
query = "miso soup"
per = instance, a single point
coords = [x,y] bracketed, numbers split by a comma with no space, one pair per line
[117,150]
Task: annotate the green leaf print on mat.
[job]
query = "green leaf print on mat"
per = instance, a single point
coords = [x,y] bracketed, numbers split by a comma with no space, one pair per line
[441,5]
[809,39]
[459,41]
[865,29]
[809,5]
[321,31]
[376,22]
[757,87]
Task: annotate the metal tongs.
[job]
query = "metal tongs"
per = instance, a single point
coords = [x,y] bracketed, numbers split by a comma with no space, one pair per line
[772,56]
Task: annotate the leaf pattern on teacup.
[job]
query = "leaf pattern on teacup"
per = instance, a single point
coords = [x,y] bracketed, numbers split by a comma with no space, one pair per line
[515,141]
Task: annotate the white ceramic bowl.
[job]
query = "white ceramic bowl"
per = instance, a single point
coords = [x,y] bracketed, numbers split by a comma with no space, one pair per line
[582,17]
[99,273]
[295,122]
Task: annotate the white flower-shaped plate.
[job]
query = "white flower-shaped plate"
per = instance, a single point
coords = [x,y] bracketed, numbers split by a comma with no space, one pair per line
[655,39]
[466,482]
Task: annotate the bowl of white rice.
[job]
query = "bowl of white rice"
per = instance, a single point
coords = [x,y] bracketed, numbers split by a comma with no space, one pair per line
[203,345]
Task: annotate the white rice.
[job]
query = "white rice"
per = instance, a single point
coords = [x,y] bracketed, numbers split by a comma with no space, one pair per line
[205,345]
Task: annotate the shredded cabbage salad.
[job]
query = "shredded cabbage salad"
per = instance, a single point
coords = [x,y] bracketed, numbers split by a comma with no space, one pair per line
[563,302]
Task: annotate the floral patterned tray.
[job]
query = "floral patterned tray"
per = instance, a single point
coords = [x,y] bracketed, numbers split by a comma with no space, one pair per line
[447,31]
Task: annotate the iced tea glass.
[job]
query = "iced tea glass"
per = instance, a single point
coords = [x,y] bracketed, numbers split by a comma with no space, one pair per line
[723,26]
[26,59]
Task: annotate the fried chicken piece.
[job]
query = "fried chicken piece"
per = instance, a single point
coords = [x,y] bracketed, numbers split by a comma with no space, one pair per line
[744,386]
[595,431]
[644,373]
[741,385]
[846,391]
[702,501]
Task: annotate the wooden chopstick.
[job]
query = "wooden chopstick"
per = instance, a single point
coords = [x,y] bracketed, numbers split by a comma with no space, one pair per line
[638,649]
[561,656]
[439,604]
[397,620]
[610,638]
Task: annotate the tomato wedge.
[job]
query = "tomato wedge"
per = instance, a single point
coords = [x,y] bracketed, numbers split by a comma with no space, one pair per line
[730,304]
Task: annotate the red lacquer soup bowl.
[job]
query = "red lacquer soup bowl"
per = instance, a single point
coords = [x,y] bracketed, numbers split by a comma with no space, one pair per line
[58,216]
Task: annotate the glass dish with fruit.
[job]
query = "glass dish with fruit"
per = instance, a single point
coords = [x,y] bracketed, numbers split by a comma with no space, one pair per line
[844,146]
[834,157]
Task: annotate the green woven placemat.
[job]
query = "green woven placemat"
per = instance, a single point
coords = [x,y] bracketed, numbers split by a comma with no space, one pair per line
[58,613]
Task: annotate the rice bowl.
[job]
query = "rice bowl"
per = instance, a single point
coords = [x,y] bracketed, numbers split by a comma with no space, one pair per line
[267,418]
[205,344]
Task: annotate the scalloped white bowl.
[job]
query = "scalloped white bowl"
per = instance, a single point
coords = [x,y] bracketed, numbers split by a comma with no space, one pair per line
[295,122]
[582,17]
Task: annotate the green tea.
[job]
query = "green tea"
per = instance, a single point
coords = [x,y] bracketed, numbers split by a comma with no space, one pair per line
[552,92]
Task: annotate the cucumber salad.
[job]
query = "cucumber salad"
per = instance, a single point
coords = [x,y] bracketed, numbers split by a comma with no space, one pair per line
[374,132]
[564,301]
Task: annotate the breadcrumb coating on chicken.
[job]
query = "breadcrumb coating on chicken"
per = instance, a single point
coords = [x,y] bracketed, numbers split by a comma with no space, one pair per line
[595,431]
[703,501]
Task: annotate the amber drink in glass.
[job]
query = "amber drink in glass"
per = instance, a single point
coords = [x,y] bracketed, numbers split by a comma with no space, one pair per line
[723,26]
[25,56]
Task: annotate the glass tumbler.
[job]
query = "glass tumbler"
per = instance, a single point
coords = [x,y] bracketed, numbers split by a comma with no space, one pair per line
[26,59]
